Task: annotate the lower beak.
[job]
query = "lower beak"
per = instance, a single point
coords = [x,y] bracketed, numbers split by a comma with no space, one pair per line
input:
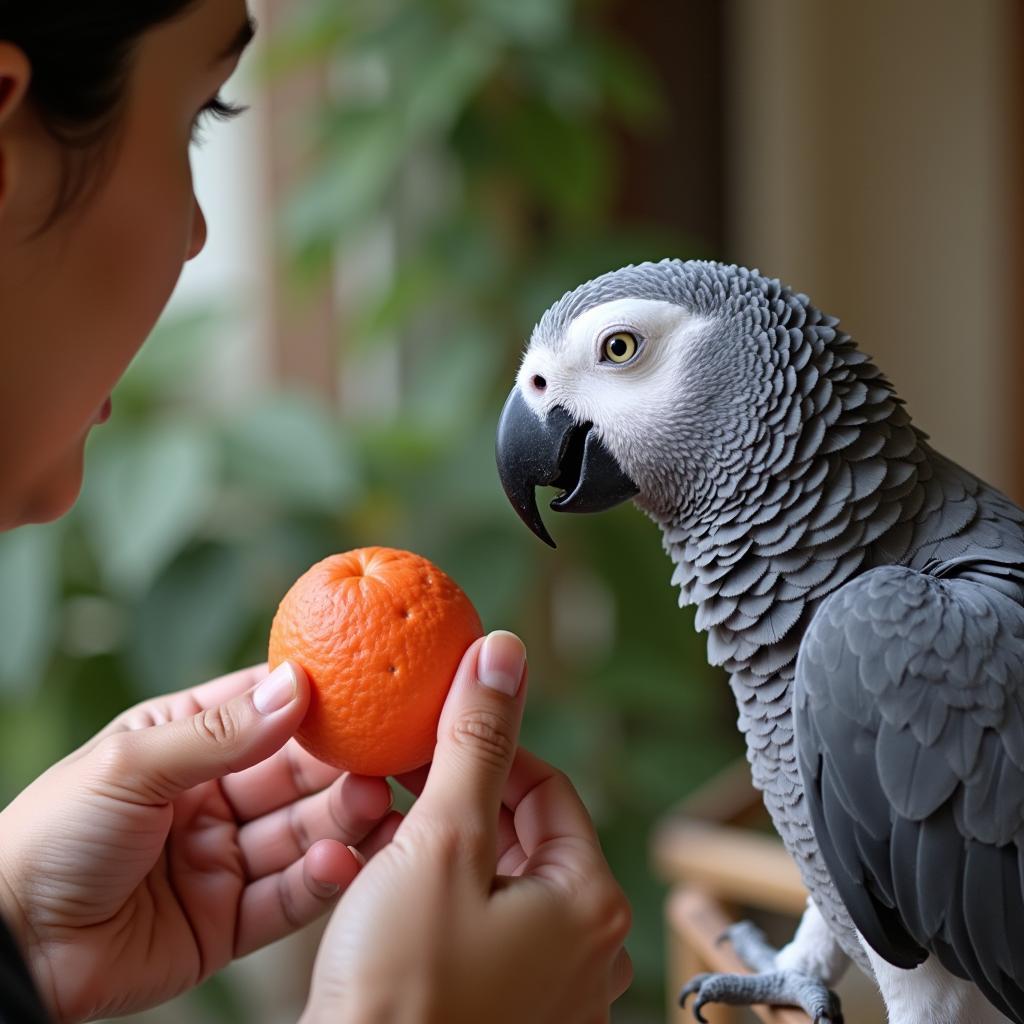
[555,452]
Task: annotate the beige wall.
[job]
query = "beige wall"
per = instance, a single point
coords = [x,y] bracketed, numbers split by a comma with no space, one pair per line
[874,171]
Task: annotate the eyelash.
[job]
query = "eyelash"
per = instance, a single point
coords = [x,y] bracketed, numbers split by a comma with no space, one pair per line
[218,110]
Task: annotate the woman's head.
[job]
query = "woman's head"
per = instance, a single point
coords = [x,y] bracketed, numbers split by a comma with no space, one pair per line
[99,103]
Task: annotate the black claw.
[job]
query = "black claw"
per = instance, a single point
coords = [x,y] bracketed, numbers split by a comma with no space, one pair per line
[693,985]
[697,1007]
[833,1015]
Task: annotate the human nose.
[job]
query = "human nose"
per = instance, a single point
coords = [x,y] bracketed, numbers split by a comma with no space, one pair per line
[198,240]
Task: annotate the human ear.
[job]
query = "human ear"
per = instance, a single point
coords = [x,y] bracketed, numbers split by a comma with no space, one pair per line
[15,74]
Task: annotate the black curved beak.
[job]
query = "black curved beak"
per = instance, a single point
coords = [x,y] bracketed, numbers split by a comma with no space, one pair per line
[555,452]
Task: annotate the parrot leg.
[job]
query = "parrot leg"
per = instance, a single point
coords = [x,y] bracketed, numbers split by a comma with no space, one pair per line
[751,947]
[776,983]
[813,949]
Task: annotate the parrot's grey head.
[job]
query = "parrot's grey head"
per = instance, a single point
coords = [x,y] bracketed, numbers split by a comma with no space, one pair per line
[652,382]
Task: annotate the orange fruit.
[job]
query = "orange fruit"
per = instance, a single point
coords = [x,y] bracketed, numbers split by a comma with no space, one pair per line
[380,633]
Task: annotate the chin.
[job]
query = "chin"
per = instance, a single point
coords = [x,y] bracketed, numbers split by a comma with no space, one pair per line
[55,496]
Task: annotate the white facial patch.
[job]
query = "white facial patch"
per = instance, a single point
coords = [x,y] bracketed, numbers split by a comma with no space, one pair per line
[570,371]
[628,403]
[651,319]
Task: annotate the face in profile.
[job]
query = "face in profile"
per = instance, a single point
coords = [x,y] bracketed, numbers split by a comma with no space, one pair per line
[81,287]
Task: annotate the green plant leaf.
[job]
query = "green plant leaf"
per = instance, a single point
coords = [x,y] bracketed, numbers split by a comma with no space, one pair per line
[441,88]
[533,23]
[289,449]
[349,184]
[310,35]
[171,363]
[190,622]
[145,495]
[29,571]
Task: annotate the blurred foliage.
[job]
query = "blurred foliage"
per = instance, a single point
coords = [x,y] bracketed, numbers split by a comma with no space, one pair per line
[461,176]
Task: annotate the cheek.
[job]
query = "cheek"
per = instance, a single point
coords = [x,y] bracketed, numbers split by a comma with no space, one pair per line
[143,227]
[95,285]
[614,399]
[124,256]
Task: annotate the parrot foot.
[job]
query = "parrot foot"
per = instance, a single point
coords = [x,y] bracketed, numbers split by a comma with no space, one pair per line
[780,988]
[768,986]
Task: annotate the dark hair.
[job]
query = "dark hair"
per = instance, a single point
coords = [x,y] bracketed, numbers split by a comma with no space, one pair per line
[79,52]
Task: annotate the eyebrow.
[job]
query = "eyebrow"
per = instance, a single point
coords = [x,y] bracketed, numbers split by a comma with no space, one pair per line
[243,37]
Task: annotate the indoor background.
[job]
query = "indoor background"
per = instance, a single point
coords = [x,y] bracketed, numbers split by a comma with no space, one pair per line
[416,182]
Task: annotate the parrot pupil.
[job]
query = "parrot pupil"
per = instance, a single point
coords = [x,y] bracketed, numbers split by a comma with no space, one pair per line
[620,348]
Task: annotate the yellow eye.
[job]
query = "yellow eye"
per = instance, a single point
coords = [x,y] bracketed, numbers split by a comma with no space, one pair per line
[620,347]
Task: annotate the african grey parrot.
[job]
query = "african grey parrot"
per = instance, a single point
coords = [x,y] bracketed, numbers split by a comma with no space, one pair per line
[863,592]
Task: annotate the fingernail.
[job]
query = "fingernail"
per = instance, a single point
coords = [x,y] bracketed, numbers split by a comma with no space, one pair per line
[501,662]
[276,691]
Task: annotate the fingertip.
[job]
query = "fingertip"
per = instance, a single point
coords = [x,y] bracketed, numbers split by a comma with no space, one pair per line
[298,673]
[300,676]
[285,688]
[468,666]
[501,663]
[330,866]
[492,664]
[367,797]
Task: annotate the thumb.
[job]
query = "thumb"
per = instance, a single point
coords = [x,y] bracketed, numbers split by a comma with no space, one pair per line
[477,738]
[163,761]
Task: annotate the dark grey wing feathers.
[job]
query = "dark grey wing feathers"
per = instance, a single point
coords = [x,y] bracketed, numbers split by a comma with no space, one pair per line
[910,734]
[854,845]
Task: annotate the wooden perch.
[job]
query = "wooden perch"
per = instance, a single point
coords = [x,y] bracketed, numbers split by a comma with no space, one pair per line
[737,865]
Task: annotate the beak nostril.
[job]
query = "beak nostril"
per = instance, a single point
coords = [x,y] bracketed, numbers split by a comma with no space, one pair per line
[539,382]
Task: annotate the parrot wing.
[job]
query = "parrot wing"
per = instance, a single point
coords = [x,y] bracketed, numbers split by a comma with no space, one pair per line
[910,733]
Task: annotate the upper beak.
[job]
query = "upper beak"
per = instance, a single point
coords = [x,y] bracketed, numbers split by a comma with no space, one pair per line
[557,452]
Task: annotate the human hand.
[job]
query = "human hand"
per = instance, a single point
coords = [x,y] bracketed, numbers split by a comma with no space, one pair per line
[189,832]
[493,900]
